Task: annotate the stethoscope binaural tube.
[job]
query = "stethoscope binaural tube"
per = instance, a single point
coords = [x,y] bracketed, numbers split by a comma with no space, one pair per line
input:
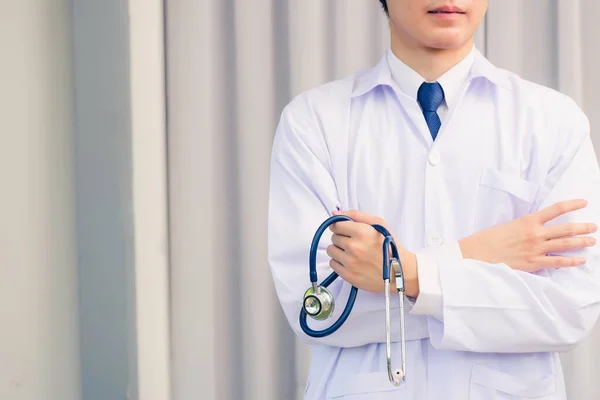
[398,375]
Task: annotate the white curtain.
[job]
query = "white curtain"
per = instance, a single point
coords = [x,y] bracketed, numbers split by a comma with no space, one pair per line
[232,65]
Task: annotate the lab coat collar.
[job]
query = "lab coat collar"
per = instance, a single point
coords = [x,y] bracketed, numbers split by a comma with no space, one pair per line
[367,80]
[483,68]
[380,75]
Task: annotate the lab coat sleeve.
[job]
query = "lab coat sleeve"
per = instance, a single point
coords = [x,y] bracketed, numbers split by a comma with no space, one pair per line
[302,195]
[493,308]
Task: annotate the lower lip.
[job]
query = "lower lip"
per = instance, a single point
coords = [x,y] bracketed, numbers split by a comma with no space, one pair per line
[446,15]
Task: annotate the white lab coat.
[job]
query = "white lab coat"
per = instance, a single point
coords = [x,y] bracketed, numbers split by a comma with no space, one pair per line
[477,331]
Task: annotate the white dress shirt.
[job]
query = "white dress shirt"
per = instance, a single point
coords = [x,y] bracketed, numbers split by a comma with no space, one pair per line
[506,147]
[453,81]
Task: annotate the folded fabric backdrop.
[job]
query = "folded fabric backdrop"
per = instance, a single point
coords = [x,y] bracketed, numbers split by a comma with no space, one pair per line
[232,66]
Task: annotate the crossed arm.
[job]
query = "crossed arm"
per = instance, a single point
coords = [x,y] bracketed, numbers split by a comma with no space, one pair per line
[524,244]
[504,290]
[530,285]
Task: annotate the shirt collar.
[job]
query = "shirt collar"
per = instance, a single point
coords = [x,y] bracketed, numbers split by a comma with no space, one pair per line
[475,65]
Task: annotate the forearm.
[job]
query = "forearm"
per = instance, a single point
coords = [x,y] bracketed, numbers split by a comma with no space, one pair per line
[493,308]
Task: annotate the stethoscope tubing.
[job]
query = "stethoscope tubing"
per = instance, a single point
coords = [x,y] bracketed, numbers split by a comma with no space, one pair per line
[395,376]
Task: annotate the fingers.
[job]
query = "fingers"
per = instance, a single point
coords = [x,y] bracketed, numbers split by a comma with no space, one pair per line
[339,269]
[341,241]
[337,254]
[566,244]
[345,228]
[359,227]
[560,208]
[350,229]
[360,216]
[559,261]
[568,230]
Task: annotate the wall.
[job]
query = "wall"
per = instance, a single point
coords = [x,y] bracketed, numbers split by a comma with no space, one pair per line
[83,235]
[39,333]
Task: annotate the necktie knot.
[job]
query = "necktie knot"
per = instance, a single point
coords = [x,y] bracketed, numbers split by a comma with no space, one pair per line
[430,96]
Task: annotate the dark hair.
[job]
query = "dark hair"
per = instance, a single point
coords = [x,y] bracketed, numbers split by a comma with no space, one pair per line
[385,7]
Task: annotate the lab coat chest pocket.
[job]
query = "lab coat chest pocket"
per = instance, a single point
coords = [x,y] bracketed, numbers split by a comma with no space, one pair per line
[490,384]
[366,386]
[502,197]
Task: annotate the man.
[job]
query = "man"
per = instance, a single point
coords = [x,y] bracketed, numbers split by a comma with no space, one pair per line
[490,185]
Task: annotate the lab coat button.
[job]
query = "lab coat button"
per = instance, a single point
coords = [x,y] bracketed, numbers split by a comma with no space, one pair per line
[434,158]
[434,240]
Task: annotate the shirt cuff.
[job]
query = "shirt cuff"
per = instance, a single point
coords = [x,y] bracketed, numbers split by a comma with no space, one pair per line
[430,299]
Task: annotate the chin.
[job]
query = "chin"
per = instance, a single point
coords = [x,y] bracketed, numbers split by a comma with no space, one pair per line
[445,41]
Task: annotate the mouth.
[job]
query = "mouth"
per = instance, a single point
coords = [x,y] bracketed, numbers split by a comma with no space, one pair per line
[447,10]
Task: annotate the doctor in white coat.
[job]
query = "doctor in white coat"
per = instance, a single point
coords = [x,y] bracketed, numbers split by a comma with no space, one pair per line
[491,187]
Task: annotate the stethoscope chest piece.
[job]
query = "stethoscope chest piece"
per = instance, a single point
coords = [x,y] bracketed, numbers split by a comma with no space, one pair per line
[318,303]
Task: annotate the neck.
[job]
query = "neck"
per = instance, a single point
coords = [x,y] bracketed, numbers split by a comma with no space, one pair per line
[430,63]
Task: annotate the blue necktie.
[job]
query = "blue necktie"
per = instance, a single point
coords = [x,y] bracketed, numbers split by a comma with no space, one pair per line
[430,96]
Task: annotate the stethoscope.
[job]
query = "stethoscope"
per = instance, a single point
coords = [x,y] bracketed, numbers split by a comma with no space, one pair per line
[319,304]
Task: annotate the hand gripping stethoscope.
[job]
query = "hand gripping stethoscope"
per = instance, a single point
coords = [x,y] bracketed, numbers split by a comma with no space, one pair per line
[319,304]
